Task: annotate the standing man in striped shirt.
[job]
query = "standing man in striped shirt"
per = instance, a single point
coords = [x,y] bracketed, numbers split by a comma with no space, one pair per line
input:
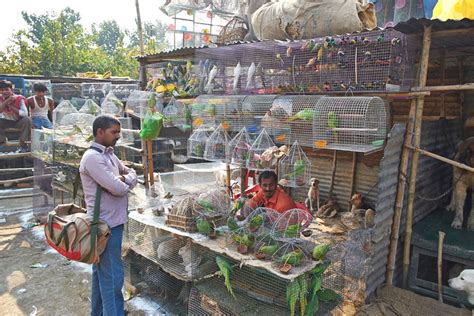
[100,166]
[13,114]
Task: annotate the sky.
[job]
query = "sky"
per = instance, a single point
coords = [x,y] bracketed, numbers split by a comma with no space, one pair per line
[91,11]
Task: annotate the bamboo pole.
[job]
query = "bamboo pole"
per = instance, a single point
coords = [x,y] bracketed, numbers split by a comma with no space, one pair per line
[11,156]
[440,266]
[461,80]
[425,55]
[441,158]
[333,175]
[25,179]
[455,87]
[145,163]
[353,174]
[227,179]
[151,177]
[243,177]
[15,169]
[394,236]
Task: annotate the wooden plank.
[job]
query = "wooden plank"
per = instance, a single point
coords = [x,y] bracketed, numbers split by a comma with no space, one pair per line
[15,169]
[9,181]
[456,87]
[441,158]
[14,156]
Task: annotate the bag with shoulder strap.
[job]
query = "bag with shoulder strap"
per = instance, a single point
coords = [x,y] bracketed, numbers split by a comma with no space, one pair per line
[74,234]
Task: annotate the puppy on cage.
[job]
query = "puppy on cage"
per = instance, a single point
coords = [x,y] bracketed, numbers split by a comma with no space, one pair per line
[361,211]
[312,202]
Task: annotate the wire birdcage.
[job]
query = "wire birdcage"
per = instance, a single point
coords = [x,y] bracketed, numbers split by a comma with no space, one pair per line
[254,108]
[216,145]
[177,114]
[350,123]
[292,119]
[95,91]
[112,105]
[290,224]
[261,152]
[197,143]
[204,111]
[90,107]
[123,91]
[294,170]
[63,108]
[137,103]
[65,91]
[239,148]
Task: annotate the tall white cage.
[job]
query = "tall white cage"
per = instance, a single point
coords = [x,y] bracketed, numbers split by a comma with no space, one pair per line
[294,170]
[197,143]
[254,108]
[356,124]
[291,119]
[261,152]
[238,150]
[216,145]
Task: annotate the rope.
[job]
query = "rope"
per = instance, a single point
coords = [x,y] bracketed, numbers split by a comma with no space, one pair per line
[442,195]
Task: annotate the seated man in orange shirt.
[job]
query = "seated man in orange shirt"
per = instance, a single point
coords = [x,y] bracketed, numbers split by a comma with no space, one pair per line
[270,195]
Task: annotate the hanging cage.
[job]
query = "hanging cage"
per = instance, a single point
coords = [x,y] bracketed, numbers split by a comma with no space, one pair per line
[137,103]
[216,145]
[239,148]
[291,119]
[197,143]
[350,124]
[261,152]
[294,170]
[254,108]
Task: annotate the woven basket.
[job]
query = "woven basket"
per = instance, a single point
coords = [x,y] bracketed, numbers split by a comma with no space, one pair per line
[234,31]
[185,223]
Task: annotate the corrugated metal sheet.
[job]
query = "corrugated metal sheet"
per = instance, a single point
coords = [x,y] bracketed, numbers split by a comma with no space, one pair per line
[416,25]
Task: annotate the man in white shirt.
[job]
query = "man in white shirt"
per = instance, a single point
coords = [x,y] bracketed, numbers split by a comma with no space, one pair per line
[14,114]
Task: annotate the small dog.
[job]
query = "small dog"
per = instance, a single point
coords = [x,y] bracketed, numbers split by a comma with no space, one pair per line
[361,209]
[464,282]
[312,202]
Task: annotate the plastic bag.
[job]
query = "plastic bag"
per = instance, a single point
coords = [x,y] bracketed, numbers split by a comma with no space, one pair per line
[152,124]
[453,10]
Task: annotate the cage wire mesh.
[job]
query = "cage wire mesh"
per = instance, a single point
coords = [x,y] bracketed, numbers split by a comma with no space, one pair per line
[294,169]
[204,111]
[254,108]
[63,108]
[122,91]
[197,143]
[90,107]
[292,118]
[177,114]
[111,105]
[137,103]
[350,123]
[239,148]
[65,91]
[95,91]
[261,152]
[174,254]
[216,145]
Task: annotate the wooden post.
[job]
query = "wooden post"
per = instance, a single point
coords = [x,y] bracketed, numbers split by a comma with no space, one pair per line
[333,176]
[150,163]
[145,162]
[402,180]
[227,179]
[243,177]
[353,175]
[440,266]
[424,61]
[442,112]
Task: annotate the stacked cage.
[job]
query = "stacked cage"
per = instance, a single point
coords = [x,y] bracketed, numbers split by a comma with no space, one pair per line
[350,123]
[177,114]
[204,110]
[111,105]
[65,91]
[294,170]
[95,91]
[291,119]
[254,108]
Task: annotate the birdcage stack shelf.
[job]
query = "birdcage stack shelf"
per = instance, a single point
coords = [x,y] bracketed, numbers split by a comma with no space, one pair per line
[357,124]
[294,170]
[95,91]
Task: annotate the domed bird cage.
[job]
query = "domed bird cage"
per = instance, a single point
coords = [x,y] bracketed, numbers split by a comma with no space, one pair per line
[291,118]
[203,110]
[90,107]
[239,148]
[112,105]
[294,170]
[197,143]
[254,108]
[216,145]
[177,114]
[137,103]
[356,124]
[290,224]
[261,152]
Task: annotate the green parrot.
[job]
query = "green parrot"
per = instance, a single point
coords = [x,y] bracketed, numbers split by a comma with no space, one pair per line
[226,270]
[152,101]
[256,221]
[333,123]
[232,224]
[293,258]
[320,251]
[203,226]
[211,110]
[305,115]
[292,231]
[238,204]
[208,207]
[298,169]
[187,114]
[247,240]
[268,250]
[198,150]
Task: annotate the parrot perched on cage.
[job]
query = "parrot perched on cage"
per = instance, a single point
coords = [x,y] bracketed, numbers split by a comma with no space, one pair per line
[226,270]
[305,115]
[298,169]
[320,251]
[212,75]
[203,226]
[152,101]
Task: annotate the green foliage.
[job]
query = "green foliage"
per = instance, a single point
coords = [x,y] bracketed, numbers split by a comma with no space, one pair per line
[56,44]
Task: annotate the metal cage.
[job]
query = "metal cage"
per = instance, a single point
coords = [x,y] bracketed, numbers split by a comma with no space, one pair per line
[197,143]
[238,150]
[350,123]
[254,108]
[137,103]
[216,145]
[95,91]
[294,170]
[259,146]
